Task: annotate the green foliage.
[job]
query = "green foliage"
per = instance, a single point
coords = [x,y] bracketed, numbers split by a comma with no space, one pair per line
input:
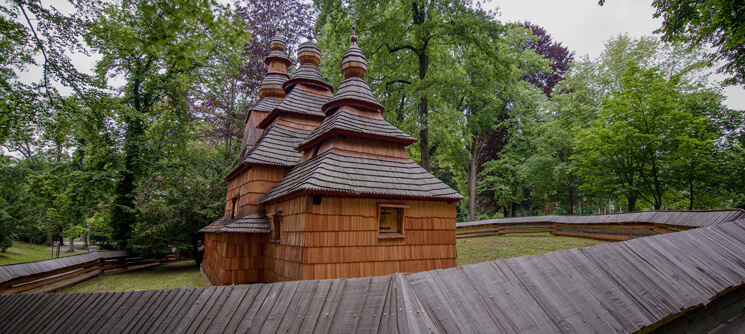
[178,199]
[655,134]
[156,46]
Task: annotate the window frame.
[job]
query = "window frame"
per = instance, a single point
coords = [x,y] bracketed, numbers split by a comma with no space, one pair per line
[401,208]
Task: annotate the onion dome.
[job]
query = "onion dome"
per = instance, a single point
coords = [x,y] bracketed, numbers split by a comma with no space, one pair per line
[309,57]
[278,42]
[354,63]
[276,75]
[354,91]
[277,45]
[309,52]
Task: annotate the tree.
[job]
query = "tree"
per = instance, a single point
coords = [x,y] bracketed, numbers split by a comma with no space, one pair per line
[720,23]
[156,46]
[406,44]
[177,200]
[654,124]
[558,55]
[488,86]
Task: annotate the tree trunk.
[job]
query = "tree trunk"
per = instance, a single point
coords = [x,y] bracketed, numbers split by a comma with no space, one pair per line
[690,195]
[472,188]
[424,132]
[49,240]
[71,245]
[632,202]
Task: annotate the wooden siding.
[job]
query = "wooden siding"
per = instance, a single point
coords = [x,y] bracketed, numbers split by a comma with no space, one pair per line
[340,238]
[249,187]
[233,258]
[627,287]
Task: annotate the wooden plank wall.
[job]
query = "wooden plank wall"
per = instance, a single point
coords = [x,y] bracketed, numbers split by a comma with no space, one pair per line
[339,239]
[251,185]
[234,258]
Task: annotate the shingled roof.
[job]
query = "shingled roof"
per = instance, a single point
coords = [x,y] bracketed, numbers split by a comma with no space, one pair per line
[313,92]
[622,287]
[277,148]
[308,74]
[333,173]
[354,91]
[345,122]
[301,101]
[277,55]
[253,223]
[216,225]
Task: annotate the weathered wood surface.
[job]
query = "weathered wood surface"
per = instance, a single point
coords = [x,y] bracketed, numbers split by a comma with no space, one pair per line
[14,272]
[626,287]
[679,219]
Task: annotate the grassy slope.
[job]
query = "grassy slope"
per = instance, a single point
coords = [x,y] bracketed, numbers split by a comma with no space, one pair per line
[26,252]
[183,274]
[472,250]
[482,249]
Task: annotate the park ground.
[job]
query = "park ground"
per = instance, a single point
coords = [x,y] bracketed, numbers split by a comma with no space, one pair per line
[185,274]
[27,252]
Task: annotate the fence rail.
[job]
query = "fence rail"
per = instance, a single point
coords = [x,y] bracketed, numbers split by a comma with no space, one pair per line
[54,274]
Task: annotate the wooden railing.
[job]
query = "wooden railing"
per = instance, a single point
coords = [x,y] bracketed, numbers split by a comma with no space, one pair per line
[51,275]
[600,231]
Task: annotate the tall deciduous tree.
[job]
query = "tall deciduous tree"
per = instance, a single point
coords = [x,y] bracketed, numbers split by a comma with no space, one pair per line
[407,44]
[720,23]
[553,51]
[155,45]
[654,123]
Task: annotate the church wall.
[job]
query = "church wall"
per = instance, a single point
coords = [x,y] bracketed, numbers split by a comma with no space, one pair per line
[249,187]
[340,238]
[233,258]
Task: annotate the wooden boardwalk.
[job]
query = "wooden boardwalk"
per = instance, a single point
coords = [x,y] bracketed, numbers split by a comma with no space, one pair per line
[622,287]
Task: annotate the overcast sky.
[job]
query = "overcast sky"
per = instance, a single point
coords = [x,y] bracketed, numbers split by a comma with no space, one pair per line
[583,27]
[580,25]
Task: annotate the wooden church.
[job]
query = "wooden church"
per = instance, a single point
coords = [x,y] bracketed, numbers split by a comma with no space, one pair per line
[324,187]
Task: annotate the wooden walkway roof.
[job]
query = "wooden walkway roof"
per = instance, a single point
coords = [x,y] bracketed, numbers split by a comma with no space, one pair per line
[688,219]
[620,287]
[13,271]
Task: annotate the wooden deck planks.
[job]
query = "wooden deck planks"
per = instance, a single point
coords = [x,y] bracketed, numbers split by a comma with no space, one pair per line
[611,288]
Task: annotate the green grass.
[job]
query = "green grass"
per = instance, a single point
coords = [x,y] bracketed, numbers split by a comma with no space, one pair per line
[26,252]
[482,249]
[173,275]
[185,274]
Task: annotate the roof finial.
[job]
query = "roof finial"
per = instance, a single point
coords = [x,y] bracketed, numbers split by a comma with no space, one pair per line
[354,34]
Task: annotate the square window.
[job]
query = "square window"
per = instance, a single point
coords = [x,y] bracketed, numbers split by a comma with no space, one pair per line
[391,220]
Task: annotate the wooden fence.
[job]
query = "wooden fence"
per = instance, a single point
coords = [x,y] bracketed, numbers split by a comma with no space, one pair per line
[613,227]
[54,274]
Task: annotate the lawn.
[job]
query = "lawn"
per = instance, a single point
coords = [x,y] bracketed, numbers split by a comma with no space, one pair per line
[482,249]
[26,252]
[185,274]
[173,275]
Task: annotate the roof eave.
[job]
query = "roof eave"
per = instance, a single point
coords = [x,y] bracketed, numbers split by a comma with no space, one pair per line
[342,132]
[301,192]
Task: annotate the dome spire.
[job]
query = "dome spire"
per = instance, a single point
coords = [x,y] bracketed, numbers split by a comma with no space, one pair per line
[278,42]
[354,63]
